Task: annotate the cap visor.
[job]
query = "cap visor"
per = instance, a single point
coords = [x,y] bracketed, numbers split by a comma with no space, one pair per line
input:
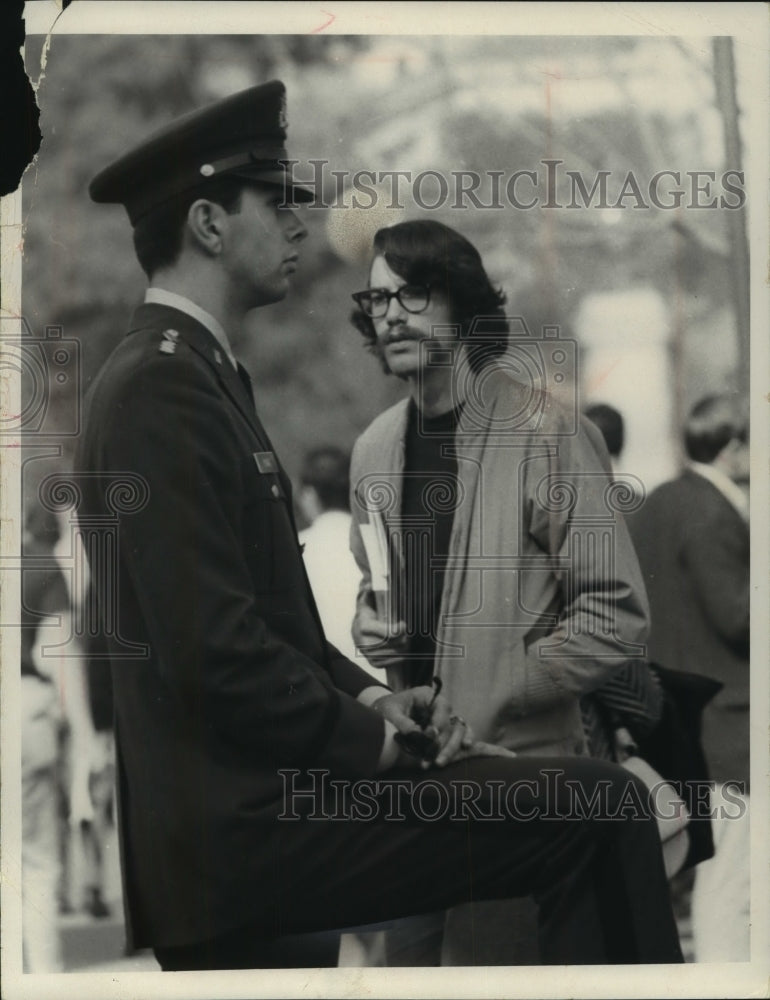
[277,178]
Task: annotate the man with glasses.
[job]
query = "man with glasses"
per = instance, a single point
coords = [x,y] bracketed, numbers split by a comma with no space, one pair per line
[477,505]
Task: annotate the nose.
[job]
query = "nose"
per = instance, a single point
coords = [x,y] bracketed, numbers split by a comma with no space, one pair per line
[395,312]
[296,231]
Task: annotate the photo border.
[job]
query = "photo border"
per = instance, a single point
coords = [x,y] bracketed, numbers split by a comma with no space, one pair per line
[747,23]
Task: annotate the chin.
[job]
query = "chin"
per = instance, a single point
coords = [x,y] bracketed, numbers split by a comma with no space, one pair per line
[269,296]
[403,363]
[403,370]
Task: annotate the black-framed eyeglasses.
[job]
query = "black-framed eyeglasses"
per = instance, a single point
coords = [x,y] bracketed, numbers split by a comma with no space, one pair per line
[376,301]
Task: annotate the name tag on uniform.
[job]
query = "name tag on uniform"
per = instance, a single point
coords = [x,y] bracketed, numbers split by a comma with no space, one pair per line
[265,461]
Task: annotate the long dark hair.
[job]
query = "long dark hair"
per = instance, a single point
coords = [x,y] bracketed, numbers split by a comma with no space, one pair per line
[426,252]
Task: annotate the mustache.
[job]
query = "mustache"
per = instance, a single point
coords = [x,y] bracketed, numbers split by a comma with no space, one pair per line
[399,334]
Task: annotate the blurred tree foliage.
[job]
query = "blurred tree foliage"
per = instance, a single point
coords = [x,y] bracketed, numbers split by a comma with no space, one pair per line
[374,103]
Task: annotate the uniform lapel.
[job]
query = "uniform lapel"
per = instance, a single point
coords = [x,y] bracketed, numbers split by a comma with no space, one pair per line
[205,344]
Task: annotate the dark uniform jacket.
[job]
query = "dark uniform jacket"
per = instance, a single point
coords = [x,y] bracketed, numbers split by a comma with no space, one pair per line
[237,680]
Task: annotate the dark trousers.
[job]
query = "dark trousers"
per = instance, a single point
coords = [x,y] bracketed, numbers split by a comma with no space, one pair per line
[574,833]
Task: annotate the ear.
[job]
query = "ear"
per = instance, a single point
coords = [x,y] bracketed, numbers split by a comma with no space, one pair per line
[205,225]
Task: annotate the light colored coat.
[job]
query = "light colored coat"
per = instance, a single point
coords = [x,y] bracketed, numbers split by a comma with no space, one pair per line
[543,597]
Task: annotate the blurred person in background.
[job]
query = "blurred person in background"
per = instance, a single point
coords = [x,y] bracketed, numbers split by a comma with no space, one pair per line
[692,537]
[43,596]
[610,423]
[454,491]
[95,823]
[324,501]
[58,742]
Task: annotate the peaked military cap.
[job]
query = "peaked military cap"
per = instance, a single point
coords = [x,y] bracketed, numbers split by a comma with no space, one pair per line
[243,135]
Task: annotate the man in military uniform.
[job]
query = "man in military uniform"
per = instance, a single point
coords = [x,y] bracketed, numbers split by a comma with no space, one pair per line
[240,705]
